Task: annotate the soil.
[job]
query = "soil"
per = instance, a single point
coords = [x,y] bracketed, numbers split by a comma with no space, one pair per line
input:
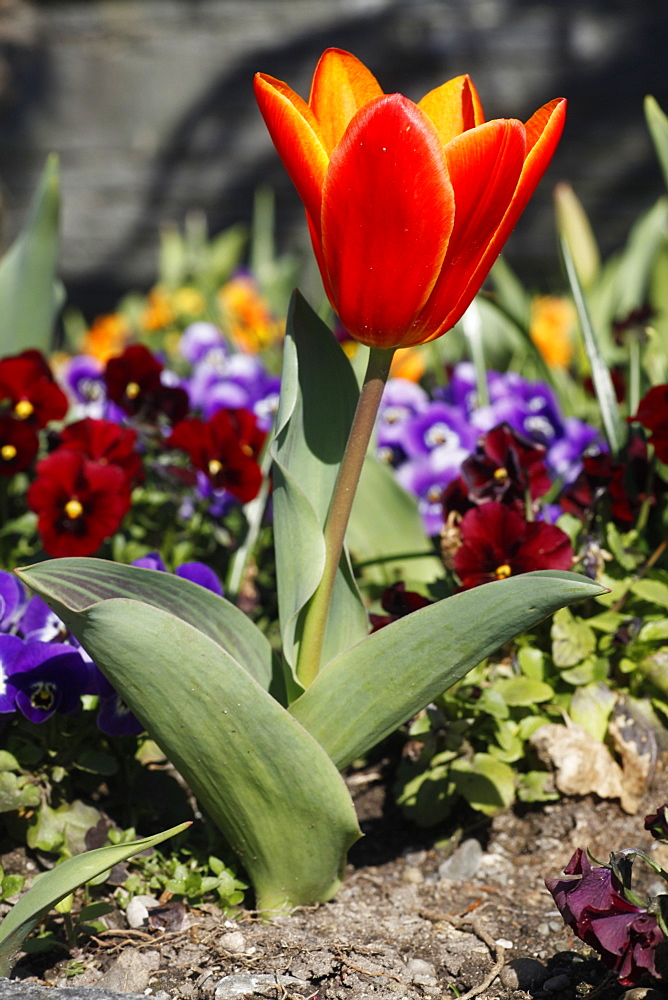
[399,928]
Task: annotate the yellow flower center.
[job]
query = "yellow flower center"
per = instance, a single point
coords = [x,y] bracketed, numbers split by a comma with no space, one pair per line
[215,466]
[8,452]
[24,409]
[73,509]
[502,572]
[501,474]
[132,390]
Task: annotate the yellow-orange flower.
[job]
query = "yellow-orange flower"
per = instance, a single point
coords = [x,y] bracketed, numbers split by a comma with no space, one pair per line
[106,337]
[408,204]
[552,325]
[248,317]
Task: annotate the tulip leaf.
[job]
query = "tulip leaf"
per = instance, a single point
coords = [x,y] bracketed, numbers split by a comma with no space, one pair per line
[657,122]
[29,292]
[265,782]
[573,224]
[366,692]
[52,886]
[82,582]
[605,393]
[318,397]
[385,532]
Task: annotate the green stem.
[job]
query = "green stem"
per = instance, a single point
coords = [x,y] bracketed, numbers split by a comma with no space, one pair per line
[317,610]
[254,512]
[634,372]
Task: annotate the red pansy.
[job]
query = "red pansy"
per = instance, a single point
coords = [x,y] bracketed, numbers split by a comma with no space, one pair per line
[133,381]
[78,502]
[397,602]
[497,543]
[29,391]
[653,414]
[623,484]
[223,448]
[18,445]
[105,442]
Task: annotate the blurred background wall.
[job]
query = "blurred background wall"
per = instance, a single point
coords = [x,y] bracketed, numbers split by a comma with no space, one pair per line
[149,104]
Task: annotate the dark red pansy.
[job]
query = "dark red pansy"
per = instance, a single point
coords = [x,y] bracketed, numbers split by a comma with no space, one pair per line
[623,484]
[133,381]
[28,391]
[79,503]
[105,442]
[653,414]
[497,542]
[18,445]
[397,602]
[222,448]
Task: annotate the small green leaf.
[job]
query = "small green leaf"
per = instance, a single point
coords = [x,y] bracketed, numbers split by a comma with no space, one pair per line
[486,783]
[653,591]
[657,122]
[16,791]
[522,691]
[572,640]
[573,224]
[590,708]
[54,885]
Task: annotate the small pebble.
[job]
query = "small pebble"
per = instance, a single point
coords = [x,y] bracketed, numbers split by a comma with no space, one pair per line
[136,912]
[463,863]
[412,857]
[413,876]
[556,926]
[234,942]
[504,943]
[543,930]
[557,983]
[420,972]
[243,984]
[523,974]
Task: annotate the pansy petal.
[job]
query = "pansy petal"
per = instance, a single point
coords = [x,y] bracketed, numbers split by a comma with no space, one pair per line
[295,133]
[454,107]
[341,86]
[383,253]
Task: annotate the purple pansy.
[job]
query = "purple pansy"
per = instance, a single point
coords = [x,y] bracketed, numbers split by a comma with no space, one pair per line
[202,340]
[401,401]
[82,378]
[12,600]
[10,647]
[441,426]
[49,678]
[39,622]
[591,901]
[426,479]
[565,456]
[196,572]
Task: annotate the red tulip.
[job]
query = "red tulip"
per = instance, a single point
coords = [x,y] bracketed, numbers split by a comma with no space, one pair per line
[408,204]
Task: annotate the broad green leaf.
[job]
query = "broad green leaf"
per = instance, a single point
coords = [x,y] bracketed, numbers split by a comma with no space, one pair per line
[62,830]
[572,639]
[385,533]
[511,294]
[486,783]
[590,708]
[318,398]
[653,591]
[262,778]
[29,295]
[573,224]
[657,122]
[54,885]
[600,373]
[17,790]
[82,582]
[522,691]
[367,691]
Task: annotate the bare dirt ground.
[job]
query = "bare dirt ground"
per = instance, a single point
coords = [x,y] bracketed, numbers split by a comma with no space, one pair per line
[403,925]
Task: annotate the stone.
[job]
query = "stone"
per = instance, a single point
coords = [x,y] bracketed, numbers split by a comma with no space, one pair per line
[136,912]
[523,974]
[421,972]
[13,989]
[233,942]
[463,863]
[131,971]
[241,985]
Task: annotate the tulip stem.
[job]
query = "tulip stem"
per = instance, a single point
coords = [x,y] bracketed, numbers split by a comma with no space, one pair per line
[317,609]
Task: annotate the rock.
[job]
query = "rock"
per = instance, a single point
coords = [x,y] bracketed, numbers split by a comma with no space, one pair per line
[136,912]
[420,972]
[643,993]
[523,974]
[242,985]
[412,875]
[13,989]
[462,863]
[131,971]
[233,942]
[557,983]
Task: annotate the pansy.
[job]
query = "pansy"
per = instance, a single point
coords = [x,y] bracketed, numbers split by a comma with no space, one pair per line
[442,426]
[79,503]
[565,457]
[48,678]
[397,602]
[400,401]
[19,445]
[653,414]
[134,382]
[224,448]
[12,600]
[497,543]
[105,442]
[623,485]
[28,390]
[657,822]
[39,622]
[196,572]
[10,647]
[426,478]
[82,377]
[591,901]
[200,341]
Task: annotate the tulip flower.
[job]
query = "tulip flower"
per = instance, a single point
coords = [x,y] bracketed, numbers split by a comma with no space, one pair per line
[408,205]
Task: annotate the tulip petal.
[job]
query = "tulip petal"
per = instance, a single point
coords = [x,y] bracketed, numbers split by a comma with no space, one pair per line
[296,136]
[387,215]
[454,107]
[341,86]
[543,131]
[484,165]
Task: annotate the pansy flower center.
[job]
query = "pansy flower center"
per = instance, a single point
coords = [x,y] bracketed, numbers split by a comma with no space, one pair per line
[24,409]
[43,695]
[132,390]
[503,572]
[501,474]
[73,508]
[434,493]
[441,434]
[8,452]
[215,466]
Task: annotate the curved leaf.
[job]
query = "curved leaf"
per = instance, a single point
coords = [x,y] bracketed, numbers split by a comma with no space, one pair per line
[369,690]
[262,778]
[318,397]
[81,582]
[59,882]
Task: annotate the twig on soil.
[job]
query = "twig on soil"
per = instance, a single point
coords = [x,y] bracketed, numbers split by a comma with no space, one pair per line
[497,951]
[365,972]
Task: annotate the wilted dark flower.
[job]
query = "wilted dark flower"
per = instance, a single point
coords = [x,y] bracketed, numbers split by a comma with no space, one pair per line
[497,543]
[591,901]
[657,823]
